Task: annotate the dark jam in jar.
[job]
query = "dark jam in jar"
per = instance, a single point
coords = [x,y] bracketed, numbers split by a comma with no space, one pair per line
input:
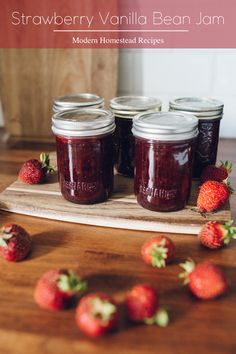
[209,113]
[163,174]
[124,147]
[124,109]
[164,150]
[84,142]
[207,145]
[85,168]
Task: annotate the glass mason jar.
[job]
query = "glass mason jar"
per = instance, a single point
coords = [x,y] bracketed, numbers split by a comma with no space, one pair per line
[77,101]
[84,141]
[164,149]
[124,109]
[209,113]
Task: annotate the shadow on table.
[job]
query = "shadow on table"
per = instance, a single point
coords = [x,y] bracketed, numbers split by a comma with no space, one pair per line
[45,242]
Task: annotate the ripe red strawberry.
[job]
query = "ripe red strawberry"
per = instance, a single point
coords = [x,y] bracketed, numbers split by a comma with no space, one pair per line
[205,280]
[35,171]
[142,305]
[216,173]
[212,196]
[158,251]
[96,314]
[56,289]
[215,235]
[15,242]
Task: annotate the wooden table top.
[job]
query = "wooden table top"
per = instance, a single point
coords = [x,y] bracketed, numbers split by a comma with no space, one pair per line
[110,260]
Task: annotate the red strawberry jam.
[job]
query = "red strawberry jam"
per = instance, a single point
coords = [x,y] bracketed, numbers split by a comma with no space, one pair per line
[124,143]
[164,149]
[209,113]
[84,141]
[207,145]
[125,108]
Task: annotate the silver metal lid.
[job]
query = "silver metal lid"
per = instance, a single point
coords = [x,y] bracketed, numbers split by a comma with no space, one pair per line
[165,126]
[199,106]
[130,106]
[214,115]
[83,122]
[78,100]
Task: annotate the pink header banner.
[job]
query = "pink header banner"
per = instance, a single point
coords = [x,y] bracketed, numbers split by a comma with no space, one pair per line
[118,24]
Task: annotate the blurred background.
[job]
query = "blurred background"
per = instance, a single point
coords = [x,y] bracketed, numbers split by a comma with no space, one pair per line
[164,73]
[170,73]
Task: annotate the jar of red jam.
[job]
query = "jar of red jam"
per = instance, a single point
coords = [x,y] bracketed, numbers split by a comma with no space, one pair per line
[84,141]
[77,101]
[124,109]
[209,113]
[164,149]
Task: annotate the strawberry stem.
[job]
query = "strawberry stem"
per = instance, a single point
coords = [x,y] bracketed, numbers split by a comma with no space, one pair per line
[161,318]
[5,236]
[227,183]
[45,160]
[229,232]
[102,309]
[71,282]
[227,165]
[188,267]
[158,253]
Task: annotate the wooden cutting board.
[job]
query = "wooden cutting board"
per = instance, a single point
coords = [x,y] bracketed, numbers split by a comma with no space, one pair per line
[121,211]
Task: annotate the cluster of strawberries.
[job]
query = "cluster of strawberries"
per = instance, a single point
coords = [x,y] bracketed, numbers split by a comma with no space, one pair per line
[98,313]
[213,195]
[215,189]
[206,281]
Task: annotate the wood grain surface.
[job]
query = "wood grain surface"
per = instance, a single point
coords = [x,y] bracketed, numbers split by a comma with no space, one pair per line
[110,260]
[31,78]
[120,211]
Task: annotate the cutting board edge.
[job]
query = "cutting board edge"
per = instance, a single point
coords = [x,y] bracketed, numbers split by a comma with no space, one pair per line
[142,225]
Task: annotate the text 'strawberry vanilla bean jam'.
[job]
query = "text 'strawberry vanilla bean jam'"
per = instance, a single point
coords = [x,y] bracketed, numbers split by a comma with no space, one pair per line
[84,140]
[124,109]
[164,150]
[77,101]
[209,113]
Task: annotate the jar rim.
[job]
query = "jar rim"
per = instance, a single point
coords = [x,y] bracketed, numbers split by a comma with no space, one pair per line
[77,100]
[83,122]
[165,126]
[201,106]
[202,116]
[130,106]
